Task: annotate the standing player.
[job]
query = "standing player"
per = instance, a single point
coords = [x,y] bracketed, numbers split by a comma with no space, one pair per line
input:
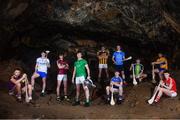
[117,59]
[103,55]
[167,87]
[162,66]
[42,65]
[79,74]
[62,76]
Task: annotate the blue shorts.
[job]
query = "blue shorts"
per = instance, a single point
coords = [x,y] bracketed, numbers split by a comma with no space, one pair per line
[42,74]
[161,69]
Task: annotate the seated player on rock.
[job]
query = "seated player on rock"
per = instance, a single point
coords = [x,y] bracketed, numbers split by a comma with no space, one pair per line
[161,64]
[116,85]
[138,71]
[167,87]
[18,83]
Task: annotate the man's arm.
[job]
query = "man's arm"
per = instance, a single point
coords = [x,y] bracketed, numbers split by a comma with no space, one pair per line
[142,69]
[88,71]
[66,66]
[117,84]
[18,81]
[131,67]
[73,76]
[60,66]
[113,60]
[13,80]
[36,67]
[168,87]
[48,63]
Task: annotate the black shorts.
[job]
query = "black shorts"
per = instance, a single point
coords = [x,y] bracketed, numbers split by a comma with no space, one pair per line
[116,87]
[119,68]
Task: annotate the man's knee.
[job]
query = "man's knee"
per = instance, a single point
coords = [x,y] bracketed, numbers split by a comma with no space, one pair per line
[85,88]
[18,85]
[107,88]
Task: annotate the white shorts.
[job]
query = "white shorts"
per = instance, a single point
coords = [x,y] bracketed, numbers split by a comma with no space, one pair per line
[101,66]
[80,80]
[62,77]
[173,94]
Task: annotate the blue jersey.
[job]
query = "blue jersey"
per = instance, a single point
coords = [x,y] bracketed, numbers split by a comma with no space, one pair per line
[116,79]
[119,57]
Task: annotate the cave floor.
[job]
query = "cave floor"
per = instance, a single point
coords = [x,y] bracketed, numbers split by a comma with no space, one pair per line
[134,106]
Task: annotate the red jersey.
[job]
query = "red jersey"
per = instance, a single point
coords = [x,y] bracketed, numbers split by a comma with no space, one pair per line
[168,81]
[62,70]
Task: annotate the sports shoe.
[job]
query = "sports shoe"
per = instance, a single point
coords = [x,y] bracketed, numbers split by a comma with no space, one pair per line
[76,103]
[11,93]
[66,98]
[58,98]
[42,94]
[153,81]
[86,104]
[120,98]
[19,99]
[107,100]
[30,98]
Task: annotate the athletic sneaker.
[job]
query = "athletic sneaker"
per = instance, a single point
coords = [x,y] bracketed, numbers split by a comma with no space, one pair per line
[19,98]
[42,94]
[120,98]
[86,104]
[58,98]
[107,100]
[153,81]
[119,102]
[30,98]
[11,92]
[66,98]
[76,103]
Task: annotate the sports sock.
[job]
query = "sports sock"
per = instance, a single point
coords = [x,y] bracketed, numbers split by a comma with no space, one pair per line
[77,99]
[157,99]
[87,100]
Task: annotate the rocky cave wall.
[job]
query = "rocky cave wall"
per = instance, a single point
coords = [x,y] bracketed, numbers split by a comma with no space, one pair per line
[28,26]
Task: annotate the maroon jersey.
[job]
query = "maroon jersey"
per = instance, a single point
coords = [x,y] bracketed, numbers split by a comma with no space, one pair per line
[17,78]
[63,70]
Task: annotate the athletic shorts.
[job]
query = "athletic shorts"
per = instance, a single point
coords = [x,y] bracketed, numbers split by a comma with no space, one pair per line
[119,68]
[62,77]
[161,69]
[80,80]
[115,87]
[173,94]
[105,66]
[42,74]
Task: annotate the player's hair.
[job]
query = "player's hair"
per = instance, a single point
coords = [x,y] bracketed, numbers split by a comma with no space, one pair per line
[19,69]
[61,54]
[161,53]
[138,59]
[43,51]
[116,71]
[79,52]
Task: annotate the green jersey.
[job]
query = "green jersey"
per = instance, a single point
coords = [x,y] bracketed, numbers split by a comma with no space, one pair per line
[80,67]
[138,68]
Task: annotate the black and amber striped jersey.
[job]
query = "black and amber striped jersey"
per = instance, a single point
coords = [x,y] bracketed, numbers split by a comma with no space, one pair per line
[103,56]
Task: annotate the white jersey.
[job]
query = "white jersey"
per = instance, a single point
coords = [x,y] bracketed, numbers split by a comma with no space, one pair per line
[42,64]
